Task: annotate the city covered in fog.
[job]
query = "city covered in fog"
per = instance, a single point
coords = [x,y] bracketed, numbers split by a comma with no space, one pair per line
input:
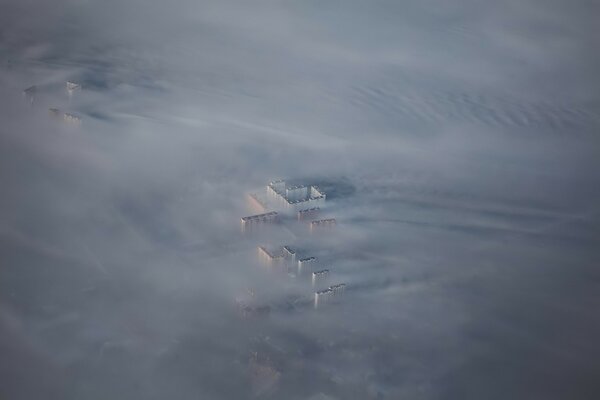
[304,200]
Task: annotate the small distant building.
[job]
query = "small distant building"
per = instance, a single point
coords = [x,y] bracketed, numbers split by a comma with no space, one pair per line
[338,289]
[54,112]
[307,214]
[71,119]
[72,87]
[322,296]
[322,223]
[289,254]
[305,264]
[319,276]
[29,94]
[66,117]
[253,221]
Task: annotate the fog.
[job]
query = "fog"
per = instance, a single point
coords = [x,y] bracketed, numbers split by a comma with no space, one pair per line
[457,143]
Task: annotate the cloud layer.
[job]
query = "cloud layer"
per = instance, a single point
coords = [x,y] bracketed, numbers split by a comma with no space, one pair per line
[458,143]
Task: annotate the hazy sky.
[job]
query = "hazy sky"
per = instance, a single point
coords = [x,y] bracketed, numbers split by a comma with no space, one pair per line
[457,139]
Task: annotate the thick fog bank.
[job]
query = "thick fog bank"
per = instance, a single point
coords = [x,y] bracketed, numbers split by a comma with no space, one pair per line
[457,143]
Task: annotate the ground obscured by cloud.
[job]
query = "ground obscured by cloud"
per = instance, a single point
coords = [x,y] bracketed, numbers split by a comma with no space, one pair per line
[458,141]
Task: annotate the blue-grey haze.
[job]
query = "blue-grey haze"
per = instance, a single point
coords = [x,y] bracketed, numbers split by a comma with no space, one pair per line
[458,140]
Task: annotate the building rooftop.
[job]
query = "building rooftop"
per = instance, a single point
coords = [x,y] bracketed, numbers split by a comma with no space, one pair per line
[30,90]
[324,221]
[259,216]
[289,250]
[309,210]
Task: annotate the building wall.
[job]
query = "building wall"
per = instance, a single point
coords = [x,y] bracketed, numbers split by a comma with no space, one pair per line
[289,255]
[308,213]
[253,221]
[306,264]
[296,193]
[319,277]
[293,199]
[315,192]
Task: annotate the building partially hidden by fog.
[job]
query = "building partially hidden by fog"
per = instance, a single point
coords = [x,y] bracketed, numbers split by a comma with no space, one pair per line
[307,214]
[289,254]
[306,264]
[253,221]
[65,117]
[72,87]
[71,119]
[269,258]
[295,198]
[338,289]
[54,112]
[322,223]
[284,256]
[305,203]
[319,276]
[322,296]
[29,94]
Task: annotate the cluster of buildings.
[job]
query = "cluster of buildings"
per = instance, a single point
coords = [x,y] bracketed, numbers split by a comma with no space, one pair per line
[306,201]
[280,258]
[283,200]
[30,94]
[286,258]
[295,198]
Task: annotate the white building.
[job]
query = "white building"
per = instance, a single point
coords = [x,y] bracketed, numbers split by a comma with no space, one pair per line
[305,264]
[338,289]
[72,87]
[319,276]
[289,255]
[309,213]
[268,258]
[252,221]
[295,198]
[29,94]
[282,256]
[322,296]
[296,193]
[322,223]
[71,119]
